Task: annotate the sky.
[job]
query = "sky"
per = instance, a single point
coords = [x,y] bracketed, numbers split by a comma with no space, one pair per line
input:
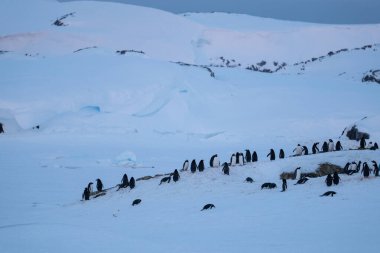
[316,11]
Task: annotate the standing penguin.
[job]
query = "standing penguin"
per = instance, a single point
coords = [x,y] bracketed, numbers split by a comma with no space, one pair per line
[124,182]
[362,143]
[271,155]
[338,146]
[214,161]
[132,183]
[375,146]
[365,170]
[345,169]
[329,180]
[331,145]
[254,157]
[176,176]
[284,185]
[201,166]
[240,159]
[336,178]
[86,194]
[315,148]
[193,166]
[89,187]
[305,150]
[1,128]
[282,154]
[325,147]
[298,150]
[99,185]
[233,160]
[248,156]
[297,174]
[226,169]
[375,168]
[185,165]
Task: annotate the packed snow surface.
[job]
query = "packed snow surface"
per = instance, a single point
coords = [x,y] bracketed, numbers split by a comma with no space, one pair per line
[116,89]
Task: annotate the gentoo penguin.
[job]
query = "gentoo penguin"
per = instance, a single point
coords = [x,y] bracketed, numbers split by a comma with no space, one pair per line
[375,168]
[136,202]
[329,180]
[185,165]
[336,178]
[240,159]
[89,187]
[369,145]
[1,128]
[305,150]
[375,146]
[346,167]
[124,182]
[297,174]
[249,180]
[331,145]
[99,185]
[365,170]
[86,194]
[281,154]
[268,186]
[254,157]
[201,166]
[233,160]
[226,169]
[248,156]
[272,155]
[302,181]
[165,180]
[338,146]
[298,150]
[315,148]
[132,183]
[176,176]
[284,185]
[329,193]
[214,161]
[325,147]
[208,206]
[193,166]
[362,143]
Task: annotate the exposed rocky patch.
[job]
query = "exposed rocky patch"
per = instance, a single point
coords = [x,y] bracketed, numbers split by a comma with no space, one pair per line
[85,48]
[372,76]
[212,74]
[355,134]
[3,52]
[122,52]
[59,21]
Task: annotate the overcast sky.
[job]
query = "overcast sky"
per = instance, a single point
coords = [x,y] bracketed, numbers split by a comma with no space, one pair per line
[320,11]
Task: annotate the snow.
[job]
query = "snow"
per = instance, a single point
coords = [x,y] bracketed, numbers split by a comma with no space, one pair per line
[101,114]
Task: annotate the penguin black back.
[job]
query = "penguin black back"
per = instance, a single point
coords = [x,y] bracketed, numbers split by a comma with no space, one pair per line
[328,193]
[248,156]
[201,166]
[208,206]
[254,157]
[132,183]
[193,166]
[282,154]
[136,202]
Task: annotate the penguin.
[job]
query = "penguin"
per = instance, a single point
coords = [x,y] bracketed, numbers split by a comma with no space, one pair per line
[208,206]
[315,148]
[338,146]
[240,159]
[352,168]
[132,183]
[362,143]
[365,170]
[176,176]
[331,145]
[336,178]
[329,193]
[297,174]
[281,154]
[185,165]
[268,186]
[298,150]
[201,166]
[1,128]
[226,169]
[369,145]
[325,147]
[302,181]
[99,185]
[375,168]
[284,185]
[214,161]
[124,182]
[193,166]
[86,194]
[345,169]
[136,202]
[249,180]
[165,180]
[89,187]
[248,156]
[254,157]
[233,160]
[305,150]
[272,155]
[329,180]
[375,146]
[358,167]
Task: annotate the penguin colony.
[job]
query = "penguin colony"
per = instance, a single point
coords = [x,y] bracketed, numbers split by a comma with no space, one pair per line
[241,159]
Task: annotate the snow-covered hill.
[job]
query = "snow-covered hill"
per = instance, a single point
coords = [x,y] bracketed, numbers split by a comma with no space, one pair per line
[95,90]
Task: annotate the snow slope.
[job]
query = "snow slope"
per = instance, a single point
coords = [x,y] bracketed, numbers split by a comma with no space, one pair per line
[125,89]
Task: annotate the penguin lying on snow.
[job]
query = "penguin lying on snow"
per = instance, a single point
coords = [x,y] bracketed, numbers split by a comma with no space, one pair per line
[136,202]
[268,186]
[329,193]
[249,180]
[302,181]
[165,180]
[208,206]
